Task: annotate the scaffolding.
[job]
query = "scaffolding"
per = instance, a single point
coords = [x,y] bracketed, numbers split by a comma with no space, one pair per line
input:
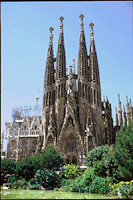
[20,112]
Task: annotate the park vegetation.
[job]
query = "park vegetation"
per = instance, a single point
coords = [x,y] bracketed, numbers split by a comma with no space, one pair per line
[109,169]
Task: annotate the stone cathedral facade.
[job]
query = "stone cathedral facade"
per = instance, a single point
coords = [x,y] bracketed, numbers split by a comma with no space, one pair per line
[72,107]
[74,116]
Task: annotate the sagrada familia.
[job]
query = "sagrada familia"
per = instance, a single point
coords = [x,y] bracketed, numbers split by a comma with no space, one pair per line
[74,117]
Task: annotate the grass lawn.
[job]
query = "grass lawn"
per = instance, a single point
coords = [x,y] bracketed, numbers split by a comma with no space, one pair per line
[40,194]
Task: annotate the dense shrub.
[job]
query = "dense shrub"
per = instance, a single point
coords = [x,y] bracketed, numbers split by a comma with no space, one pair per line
[12,179]
[27,167]
[103,160]
[33,185]
[52,158]
[81,183]
[71,171]
[7,167]
[100,185]
[107,166]
[47,178]
[22,184]
[124,154]
[123,189]
[32,181]
[96,154]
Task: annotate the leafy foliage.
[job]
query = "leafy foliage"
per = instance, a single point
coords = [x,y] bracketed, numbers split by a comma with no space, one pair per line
[7,167]
[107,165]
[80,183]
[12,179]
[33,185]
[52,158]
[47,178]
[22,184]
[102,159]
[100,185]
[71,171]
[28,166]
[124,189]
[124,153]
[88,182]
[96,154]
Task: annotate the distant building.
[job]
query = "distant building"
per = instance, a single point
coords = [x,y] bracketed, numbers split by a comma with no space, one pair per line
[74,117]
[22,135]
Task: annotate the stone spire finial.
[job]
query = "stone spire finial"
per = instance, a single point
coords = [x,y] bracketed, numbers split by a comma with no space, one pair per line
[91,33]
[128,110]
[61,24]
[81,24]
[120,111]
[51,35]
[119,97]
[126,98]
[116,118]
[73,65]
[125,117]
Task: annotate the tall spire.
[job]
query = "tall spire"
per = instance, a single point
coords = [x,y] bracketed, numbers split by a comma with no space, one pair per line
[125,117]
[51,36]
[82,24]
[61,24]
[61,37]
[61,59]
[95,76]
[92,47]
[60,79]
[82,56]
[120,111]
[128,111]
[49,72]
[116,122]
[73,65]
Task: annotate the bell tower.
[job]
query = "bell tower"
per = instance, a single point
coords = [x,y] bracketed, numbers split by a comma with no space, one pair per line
[49,88]
[60,80]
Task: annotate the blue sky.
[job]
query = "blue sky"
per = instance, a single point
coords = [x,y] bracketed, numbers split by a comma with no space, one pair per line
[25,39]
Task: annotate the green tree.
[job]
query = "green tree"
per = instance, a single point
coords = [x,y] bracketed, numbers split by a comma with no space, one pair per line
[124,153]
[47,178]
[52,158]
[27,167]
[107,165]
[96,154]
[71,171]
[7,167]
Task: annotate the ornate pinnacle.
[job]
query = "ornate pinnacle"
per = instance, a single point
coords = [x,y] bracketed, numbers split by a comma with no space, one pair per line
[81,16]
[51,35]
[91,25]
[61,23]
[73,62]
[119,97]
[61,18]
[51,29]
